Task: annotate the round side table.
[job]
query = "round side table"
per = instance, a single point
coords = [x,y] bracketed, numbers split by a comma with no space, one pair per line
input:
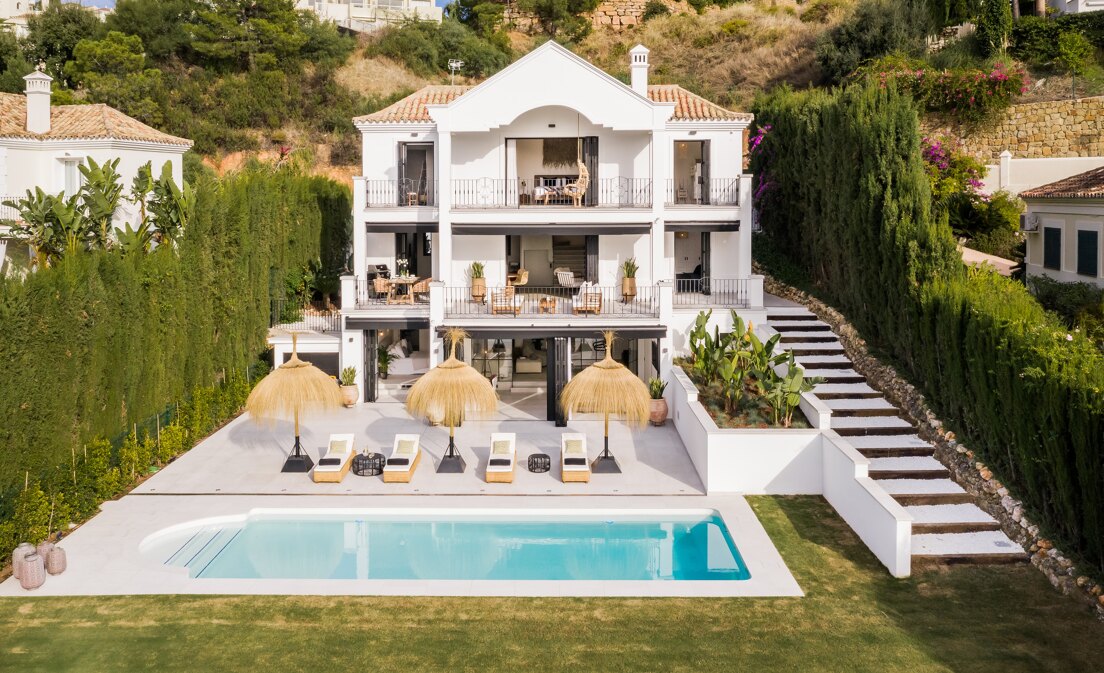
[368,464]
[539,463]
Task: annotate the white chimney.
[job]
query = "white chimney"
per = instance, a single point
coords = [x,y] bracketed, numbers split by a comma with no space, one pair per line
[38,101]
[638,66]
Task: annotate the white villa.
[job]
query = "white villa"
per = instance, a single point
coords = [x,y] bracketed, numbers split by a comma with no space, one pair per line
[552,174]
[1064,224]
[367,15]
[43,145]
[1076,6]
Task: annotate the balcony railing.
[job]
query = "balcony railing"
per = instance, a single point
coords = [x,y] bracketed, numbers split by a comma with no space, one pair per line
[711,192]
[592,302]
[400,193]
[369,295]
[295,316]
[10,213]
[493,193]
[728,292]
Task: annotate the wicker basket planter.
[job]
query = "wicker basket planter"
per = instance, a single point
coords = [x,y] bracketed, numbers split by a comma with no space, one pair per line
[32,573]
[56,561]
[18,555]
[44,548]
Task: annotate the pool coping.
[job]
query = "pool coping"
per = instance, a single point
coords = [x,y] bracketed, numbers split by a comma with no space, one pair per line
[105,558]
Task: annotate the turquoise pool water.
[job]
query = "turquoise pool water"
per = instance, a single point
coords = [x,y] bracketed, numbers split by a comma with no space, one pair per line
[677,546]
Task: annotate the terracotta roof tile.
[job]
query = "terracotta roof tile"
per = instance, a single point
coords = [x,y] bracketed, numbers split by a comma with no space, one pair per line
[1087,185]
[69,122]
[412,109]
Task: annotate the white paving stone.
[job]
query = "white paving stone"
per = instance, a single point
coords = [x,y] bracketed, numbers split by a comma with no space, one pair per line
[808,334]
[975,544]
[776,324]
[920,486]
[888,441]
[822,346]
[962,513]
[879,422]
[844,388]
[900,463]
[859,404]
[831,373]
[821,360]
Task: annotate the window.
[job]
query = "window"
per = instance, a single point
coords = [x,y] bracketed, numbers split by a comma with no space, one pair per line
[1052,248]
[71,176]
[1088,252]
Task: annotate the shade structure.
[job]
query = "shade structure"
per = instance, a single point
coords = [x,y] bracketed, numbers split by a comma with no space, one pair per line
[292,389]
[608,388]
[448,394]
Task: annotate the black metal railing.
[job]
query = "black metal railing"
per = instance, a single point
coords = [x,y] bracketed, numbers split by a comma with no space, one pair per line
[400,193]
[711,192]
[552,302]
[293,315]
[371,294]
[729,292]
[494,193]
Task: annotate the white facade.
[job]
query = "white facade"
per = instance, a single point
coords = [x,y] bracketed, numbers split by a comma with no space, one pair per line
[452,176]
[1076,6]
[367,15]
[1065,239]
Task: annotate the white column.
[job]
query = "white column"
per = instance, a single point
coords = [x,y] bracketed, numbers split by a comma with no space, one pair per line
[348,292]
[436,319]
[743,252]
[352,355]
[662,165]
[1005,175]
[360,234]
[442,251]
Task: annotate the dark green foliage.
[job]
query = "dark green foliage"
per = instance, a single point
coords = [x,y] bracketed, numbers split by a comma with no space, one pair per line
[53,34]
[994,27]
[425,47]
[1035,39]
[562,19]
[654,8]
[102,341]
[877,28]
[952,12]
[1079,305]
[13,64]
[157,22]
[484,17]
[240,35]
[998,369]
[990,225]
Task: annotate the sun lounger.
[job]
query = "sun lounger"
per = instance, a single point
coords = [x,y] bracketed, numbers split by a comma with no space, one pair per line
[503,458]
[405,454]
[333,466]
[574,465]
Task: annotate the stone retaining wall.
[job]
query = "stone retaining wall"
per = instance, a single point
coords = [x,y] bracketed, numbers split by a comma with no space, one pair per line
[611,14]
[966,470]
[1061,128]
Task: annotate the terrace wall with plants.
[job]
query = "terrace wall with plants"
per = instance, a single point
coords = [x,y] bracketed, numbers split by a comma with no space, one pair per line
[105,341]
[1003,373]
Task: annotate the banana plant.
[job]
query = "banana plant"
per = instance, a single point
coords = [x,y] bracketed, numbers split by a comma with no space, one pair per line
[132,241]
[100,194]
[785,393]
[36,229]
[171,207]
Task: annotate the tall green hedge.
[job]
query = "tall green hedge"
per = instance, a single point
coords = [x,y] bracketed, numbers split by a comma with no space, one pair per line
[103,341]
[842,192]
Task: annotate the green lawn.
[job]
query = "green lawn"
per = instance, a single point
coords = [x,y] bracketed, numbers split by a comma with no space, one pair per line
[853,618]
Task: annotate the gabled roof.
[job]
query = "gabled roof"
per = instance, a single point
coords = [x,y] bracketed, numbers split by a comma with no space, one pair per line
[412,109]
[1087,185]
[79,122]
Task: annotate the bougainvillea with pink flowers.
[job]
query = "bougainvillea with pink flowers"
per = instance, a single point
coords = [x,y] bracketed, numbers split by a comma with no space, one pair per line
[965,94]
[950,170]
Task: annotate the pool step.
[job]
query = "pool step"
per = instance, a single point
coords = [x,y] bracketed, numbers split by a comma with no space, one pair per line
[908,467]
[990,546]
[962,518]
[925,491]
[182,556]
[871,425]
[860,406]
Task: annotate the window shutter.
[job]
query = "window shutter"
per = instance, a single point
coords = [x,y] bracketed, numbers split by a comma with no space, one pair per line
[1052,248]
[1088,252]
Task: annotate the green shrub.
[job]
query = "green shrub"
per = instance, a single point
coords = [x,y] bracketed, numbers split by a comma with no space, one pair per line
[994,27]
[819,11]
[425,47]
[875,29]
[654,8]
[1079,305]
[1035,39]
[1015,384]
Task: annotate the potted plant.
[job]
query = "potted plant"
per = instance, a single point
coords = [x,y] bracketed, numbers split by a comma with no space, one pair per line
[658,404]
[383,360]
[478,282]
[628,281]
[349,391]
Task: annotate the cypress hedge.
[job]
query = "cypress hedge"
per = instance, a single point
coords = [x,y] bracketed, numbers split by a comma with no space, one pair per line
[842,193]
[103,341]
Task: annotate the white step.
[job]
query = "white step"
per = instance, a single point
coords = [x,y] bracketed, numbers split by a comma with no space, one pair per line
[822,359]
[799,323]
[780,312]
[964,513]
[888,441]
[830,373]
[988,542]
[819,347]
[903,463]
[920,487]
[860,404]
[879,422]
[843,388]
[808,334]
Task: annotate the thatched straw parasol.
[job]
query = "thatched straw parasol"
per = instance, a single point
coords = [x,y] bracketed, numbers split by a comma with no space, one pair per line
[290,389]
[607,388]
[447,394]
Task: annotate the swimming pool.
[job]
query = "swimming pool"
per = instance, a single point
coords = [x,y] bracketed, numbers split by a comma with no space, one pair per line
[456,545]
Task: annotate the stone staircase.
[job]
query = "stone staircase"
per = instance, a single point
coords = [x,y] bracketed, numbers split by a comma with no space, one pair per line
[948,527]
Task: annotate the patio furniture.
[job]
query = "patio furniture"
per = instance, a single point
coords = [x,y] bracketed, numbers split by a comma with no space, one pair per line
[333,466]
[503,458]
[405,454]
[546,305]
[421,289]
[565,277]
[382,288]
[402,290]
[574,466]
[368,464]
[539,463]
[519,278]
[504,301]
[587,300]
[573,190]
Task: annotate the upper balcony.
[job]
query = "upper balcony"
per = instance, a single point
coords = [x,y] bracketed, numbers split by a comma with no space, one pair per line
[724,192]
[551,191]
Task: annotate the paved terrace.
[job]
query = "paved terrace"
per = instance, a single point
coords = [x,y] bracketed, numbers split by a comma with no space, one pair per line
[245,458]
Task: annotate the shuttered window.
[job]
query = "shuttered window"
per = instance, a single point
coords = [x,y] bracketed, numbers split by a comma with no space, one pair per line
[1088,253]
[1052,248]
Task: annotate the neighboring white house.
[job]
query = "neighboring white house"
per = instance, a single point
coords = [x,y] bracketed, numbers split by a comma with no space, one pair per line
[367,15]
[454,175]
[1015,174]
[1076,6]
[43,145]
[1064,223]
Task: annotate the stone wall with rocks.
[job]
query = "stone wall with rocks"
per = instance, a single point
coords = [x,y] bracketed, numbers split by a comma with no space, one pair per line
[1061,128]
[612,14]
[969,472]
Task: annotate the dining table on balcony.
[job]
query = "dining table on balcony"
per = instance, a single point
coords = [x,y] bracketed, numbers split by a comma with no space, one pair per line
[402,290]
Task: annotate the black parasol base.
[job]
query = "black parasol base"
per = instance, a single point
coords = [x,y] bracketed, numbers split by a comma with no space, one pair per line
[605,463]
[298,461]
[451,462]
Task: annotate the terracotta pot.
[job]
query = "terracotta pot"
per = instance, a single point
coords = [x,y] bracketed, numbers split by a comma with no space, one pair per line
[32,573]
[658,415]
[350,395]
[18,555]
[479,288]
[55,561]
[628,289]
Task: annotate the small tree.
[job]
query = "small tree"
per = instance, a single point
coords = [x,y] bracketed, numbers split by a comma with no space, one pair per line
[994,26]
[1075,55]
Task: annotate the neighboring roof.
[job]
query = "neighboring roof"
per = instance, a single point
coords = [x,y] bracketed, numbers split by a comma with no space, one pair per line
[412,109]
[79,122]
[1087,185]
